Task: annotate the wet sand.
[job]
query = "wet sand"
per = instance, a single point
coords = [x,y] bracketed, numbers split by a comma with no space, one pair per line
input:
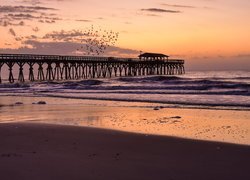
[40,151]
[204,124]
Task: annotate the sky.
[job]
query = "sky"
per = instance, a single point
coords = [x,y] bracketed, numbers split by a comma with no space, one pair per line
[208,34]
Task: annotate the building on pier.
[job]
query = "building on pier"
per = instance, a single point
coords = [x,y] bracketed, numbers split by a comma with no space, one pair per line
[153,56]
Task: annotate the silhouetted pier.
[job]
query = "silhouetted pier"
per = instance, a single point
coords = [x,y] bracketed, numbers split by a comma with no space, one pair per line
[52,67]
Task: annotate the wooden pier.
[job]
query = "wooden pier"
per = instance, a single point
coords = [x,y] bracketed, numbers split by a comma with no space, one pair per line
[56,68]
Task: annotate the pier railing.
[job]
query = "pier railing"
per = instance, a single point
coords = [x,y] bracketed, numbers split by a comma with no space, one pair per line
[57,67]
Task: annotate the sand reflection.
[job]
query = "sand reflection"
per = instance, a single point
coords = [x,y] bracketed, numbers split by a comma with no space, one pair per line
[215,125]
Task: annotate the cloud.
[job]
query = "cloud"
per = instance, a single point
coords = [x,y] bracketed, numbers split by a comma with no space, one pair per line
[47,21]
[21,23]
[9,15]
[153,15]
[21,16]
[178,6]
[247,55]
[5,23]
[18,19]
[12,32]
[31,37]
[36,2]
[32,2]
[158,10]
[73,35]
[83,20]
[24,9]
[121,52]
[185,6]
[65,48]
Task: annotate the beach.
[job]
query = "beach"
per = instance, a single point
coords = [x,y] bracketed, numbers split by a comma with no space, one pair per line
[69,139]
[229,126]
[39,151]
[126,128]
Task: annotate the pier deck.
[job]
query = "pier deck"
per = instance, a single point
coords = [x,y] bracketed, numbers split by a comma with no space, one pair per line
[55,68]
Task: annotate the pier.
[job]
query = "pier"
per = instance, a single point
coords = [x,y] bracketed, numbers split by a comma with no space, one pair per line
[56,68]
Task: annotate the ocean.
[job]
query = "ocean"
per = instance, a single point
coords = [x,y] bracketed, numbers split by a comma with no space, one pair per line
[206,90]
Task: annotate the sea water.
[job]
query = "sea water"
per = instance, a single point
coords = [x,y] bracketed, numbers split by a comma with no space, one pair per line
[216,90]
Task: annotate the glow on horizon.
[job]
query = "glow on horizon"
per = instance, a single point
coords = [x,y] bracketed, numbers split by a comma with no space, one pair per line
[202,31]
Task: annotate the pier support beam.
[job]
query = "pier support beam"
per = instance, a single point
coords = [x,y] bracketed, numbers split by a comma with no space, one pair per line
[66,71]
[31,72]
[120,69]
[183,69]
[84,70]
[104,70]
[1,65]
[109,66]
[40,75]
[57,72]
[11,77]
[77,73]
[72,70]
[49,74]
[21,76]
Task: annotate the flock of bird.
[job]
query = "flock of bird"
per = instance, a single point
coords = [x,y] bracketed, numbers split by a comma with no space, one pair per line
[96,41]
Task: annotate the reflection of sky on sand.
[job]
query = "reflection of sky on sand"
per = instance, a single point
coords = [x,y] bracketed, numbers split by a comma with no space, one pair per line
[218,125]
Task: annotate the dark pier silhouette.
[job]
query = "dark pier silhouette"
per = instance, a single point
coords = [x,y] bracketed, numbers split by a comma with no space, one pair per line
[56,68]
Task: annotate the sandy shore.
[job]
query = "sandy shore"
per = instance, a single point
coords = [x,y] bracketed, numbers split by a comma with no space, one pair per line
[204,124]
[46,152]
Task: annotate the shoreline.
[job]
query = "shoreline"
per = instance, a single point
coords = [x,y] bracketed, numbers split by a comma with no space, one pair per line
[40,151]
[143,118]
[182,105]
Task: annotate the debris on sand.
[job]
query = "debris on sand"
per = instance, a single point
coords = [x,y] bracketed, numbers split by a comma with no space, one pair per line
[40,102]
[162,121]
[19,103]
[176,117]
[156,108]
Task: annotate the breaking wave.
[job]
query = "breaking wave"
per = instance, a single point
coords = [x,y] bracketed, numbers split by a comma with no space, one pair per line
[225,90]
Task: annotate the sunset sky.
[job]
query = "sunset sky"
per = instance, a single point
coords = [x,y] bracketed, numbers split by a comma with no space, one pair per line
[208,34]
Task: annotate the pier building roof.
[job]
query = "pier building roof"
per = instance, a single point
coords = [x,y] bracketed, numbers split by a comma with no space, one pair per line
[153,56]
